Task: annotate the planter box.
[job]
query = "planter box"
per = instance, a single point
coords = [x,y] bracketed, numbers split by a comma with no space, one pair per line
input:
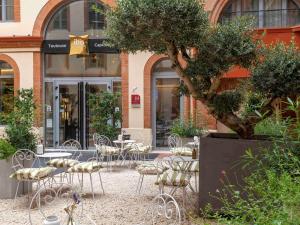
[218,153]
[8,186]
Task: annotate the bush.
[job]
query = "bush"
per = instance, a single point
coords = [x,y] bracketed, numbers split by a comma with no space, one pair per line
[105,119]
[187,129]
[6,149]
[270,126]
[20,121]
[271,193]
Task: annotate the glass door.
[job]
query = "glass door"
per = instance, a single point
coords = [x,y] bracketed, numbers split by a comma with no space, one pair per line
[167,107]
[68,112]
[71,114]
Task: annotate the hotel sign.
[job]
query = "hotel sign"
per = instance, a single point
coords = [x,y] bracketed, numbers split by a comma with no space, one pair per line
[63,47]
[79,45]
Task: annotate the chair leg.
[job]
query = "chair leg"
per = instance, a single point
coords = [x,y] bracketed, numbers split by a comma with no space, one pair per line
[81,184]
[16,194]
[92,188]
[138,184]
[101,181]
[196,182]
[142,179]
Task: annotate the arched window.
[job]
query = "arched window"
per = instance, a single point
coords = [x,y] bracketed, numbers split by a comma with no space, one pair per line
[267,13]
[78,18]
[6,89]
[164,65]
[81,17]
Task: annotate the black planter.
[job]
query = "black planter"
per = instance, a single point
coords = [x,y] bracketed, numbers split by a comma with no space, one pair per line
[220,155]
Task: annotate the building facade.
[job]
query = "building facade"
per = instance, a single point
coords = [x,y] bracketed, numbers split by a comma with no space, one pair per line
[35,53]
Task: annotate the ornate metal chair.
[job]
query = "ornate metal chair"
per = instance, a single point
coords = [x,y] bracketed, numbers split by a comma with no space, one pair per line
[176,147]
[105,148]
[176,177]
[66,163]
[22,163]
[92,165]
[59,203]
[163,208]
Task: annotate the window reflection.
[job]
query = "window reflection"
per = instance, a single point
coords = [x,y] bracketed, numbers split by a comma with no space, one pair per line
[78,18]
[6,90]
[267,13]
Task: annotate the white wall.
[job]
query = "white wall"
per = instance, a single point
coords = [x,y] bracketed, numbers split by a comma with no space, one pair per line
[29,11]
[24,61]
[136,64]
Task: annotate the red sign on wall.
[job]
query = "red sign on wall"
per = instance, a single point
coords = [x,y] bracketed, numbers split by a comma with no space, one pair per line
[135,100]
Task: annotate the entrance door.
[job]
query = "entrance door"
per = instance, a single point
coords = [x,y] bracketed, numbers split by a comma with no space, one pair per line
[72,114]
[167,106]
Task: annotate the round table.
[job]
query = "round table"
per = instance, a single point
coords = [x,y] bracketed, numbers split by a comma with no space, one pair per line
[123,154]
[55,155]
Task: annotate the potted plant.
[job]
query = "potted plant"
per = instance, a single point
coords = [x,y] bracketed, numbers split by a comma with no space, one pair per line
[201,54]
[186,130]
[18,135]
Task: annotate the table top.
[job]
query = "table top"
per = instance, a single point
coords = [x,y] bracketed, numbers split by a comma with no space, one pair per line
[55,155]
[179,158]
[124,141]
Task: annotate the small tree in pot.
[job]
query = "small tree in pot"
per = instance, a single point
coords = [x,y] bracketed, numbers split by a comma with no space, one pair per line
[201,53]
[177,27]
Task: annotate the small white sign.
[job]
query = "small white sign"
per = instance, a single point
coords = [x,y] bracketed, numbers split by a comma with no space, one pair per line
[49,108]
[49,123]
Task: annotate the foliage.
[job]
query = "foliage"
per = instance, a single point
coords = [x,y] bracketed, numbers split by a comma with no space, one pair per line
[279,73]
[226,102]
[271,126]
[20,121]
[105,118]
[174,27]
[271,194]
[185,129]
[6,149]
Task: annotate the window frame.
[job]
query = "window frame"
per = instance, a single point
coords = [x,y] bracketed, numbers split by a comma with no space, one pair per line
[3,9]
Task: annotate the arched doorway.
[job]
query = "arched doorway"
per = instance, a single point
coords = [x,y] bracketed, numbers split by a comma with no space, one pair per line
[70,79]
[167,104]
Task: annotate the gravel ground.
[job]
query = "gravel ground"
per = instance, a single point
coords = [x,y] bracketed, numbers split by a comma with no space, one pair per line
[119,206]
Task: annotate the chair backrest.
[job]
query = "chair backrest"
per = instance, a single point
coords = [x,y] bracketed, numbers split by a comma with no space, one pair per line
[56,200]
[163,207]
[174,141]
[71,144]
[101,140]
[178,163]
[24,158]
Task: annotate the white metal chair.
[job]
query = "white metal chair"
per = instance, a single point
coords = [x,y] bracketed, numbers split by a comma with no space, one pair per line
[149,168]
[23,161]
[92,165]
[105,148]
[163,208]
[66,163]
[176,177]
[60,202]
[176,147]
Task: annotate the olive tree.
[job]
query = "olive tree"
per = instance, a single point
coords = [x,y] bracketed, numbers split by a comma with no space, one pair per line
[201,53]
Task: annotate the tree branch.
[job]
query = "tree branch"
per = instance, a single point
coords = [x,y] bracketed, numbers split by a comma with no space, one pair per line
[215,84]
[173,53]
[184,53]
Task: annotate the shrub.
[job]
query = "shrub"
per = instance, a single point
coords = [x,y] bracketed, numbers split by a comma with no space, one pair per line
[271,194]
[20,121]
[105,118]
[6,149]
[185,129]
